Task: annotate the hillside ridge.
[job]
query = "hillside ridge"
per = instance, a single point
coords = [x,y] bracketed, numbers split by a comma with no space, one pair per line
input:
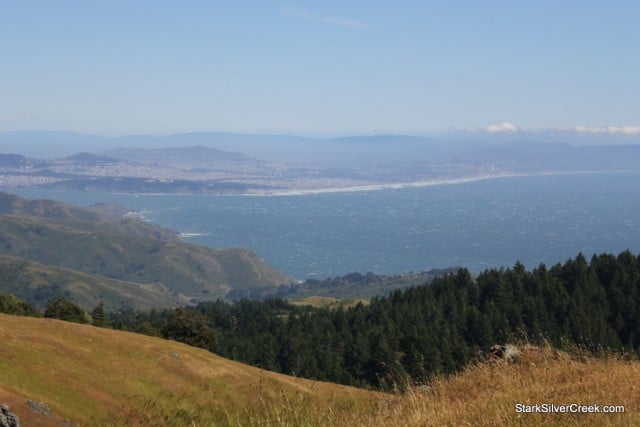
[127,250]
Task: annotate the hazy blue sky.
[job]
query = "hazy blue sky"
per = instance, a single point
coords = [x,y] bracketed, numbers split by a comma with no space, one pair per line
[330,67]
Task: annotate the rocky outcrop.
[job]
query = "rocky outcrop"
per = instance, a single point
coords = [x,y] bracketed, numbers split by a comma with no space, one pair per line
[506,352]
[7,418]
[39,407]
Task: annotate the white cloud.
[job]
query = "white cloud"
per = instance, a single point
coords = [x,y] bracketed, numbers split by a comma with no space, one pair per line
[590,129]
[337,21]
[611,130]
[504,127]
[625,130]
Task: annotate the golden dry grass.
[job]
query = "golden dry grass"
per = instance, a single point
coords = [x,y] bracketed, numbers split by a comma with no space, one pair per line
[328,302]
[315,300]
[486,394]
[97,376]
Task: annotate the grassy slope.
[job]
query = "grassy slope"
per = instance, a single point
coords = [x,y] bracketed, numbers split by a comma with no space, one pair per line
[486,394]
[97,376]
[327,302]
[101,377]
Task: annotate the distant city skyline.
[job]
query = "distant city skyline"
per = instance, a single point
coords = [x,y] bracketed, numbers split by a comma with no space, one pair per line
[319,68]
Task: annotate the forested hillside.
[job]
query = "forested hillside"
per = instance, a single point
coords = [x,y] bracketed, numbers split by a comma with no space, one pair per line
[412,335]
[415,334]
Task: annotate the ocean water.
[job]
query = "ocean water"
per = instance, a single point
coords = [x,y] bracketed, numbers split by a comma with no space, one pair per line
[482,224]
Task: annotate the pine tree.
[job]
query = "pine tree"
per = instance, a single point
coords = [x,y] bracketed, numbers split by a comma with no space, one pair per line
[99,315]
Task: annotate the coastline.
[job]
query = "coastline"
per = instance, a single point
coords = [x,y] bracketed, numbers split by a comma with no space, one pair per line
[328,190]
[417,184]
[299,256]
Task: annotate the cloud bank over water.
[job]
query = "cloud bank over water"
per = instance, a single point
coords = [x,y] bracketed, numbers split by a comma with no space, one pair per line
[611,130]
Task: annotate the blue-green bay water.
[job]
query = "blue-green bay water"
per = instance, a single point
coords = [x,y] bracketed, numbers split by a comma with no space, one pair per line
[482,224]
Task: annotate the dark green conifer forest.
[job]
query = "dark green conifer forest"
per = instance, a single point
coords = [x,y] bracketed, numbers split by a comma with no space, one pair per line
[411,335]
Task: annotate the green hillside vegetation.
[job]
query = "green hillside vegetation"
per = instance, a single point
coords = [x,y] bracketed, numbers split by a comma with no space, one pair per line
[351,286]
[14,205]
[413,335]
[36,283]
[127,250]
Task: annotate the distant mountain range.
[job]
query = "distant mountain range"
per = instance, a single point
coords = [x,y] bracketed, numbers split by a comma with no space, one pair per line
[223,163]
[49,248]
[56,144]
[173,155]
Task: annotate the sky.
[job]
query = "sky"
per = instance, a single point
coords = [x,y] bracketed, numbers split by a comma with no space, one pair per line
[319,68]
